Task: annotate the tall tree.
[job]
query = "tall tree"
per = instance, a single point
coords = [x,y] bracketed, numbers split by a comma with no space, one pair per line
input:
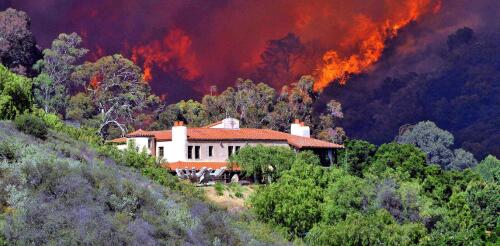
[117,87]
[436,143]
[56,67]
[18,50]
[301,98]
[81,108]
[249,102]
[253,102]
[191,112]
[263,161]
[327,127]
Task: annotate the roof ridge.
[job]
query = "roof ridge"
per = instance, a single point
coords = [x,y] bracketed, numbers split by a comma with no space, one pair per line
[212,124]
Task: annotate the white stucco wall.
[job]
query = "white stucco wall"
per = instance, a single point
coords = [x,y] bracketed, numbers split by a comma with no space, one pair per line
[220,149]
[299,130]
[176,149]
[140,143]
[228,123]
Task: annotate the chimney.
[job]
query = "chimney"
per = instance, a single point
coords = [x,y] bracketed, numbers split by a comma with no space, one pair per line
[178,147]
[298,128]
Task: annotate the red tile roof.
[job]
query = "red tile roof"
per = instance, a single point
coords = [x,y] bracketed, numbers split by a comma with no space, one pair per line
[213,124]
[197,165]
[242,134]
[118,140]
[141,133]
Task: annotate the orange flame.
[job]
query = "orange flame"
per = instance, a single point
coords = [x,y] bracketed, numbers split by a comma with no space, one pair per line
[338,68]
[95,81]
[175,47]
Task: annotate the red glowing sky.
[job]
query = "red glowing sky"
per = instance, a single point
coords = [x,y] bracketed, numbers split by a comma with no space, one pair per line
[191,45]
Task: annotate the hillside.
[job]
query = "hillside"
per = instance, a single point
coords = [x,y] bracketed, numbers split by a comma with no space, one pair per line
[62,191]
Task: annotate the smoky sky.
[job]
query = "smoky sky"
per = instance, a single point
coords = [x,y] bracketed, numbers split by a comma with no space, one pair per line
[192,45]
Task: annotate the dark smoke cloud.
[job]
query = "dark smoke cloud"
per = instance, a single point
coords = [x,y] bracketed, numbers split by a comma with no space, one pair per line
[225,38]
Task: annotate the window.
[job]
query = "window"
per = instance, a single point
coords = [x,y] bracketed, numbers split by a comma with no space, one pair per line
[197,152]
[210,151]
[190,152]
[160,152]
[237,149]
[229,150]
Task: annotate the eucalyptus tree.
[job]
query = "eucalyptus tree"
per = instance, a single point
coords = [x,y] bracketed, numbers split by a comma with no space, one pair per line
[437,144]
[117,87]
[56,67]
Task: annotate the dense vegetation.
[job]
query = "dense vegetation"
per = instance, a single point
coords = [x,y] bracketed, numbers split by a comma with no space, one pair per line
[383,195]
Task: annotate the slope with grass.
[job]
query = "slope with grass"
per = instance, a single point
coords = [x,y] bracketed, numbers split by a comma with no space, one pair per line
[63,191]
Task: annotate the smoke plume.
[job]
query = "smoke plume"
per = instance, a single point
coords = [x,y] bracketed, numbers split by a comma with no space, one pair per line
[192,45]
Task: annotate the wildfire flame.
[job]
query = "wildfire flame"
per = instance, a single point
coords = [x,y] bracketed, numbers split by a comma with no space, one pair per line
[174,48]
[334,67]
[219,44]
[95,81]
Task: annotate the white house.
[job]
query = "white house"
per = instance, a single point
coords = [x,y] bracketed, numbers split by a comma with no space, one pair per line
[210,146]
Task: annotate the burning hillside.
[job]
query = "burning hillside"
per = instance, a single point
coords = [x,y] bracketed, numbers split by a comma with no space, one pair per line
[370,37]
[200,45]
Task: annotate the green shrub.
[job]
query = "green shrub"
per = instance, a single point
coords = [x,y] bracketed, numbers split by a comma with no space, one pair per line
[32,125]
[51,120]
[238,194]
[161,176]
[378,228]
[9,151]
[133,158]
[219,188]
[489,169]
[266,162]
[400,161]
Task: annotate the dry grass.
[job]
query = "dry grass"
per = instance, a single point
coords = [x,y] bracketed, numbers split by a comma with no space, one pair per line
[229,199]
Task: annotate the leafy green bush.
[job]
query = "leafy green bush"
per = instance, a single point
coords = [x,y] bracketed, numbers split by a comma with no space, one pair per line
[219,188]
[9,150]
[378,228]
[489,169]
[264,161]
[349,194]
[398,161]
[32,125]
[294,201]
[238,194]
[137,160]
[356,156]
[51,120]
[161,176]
